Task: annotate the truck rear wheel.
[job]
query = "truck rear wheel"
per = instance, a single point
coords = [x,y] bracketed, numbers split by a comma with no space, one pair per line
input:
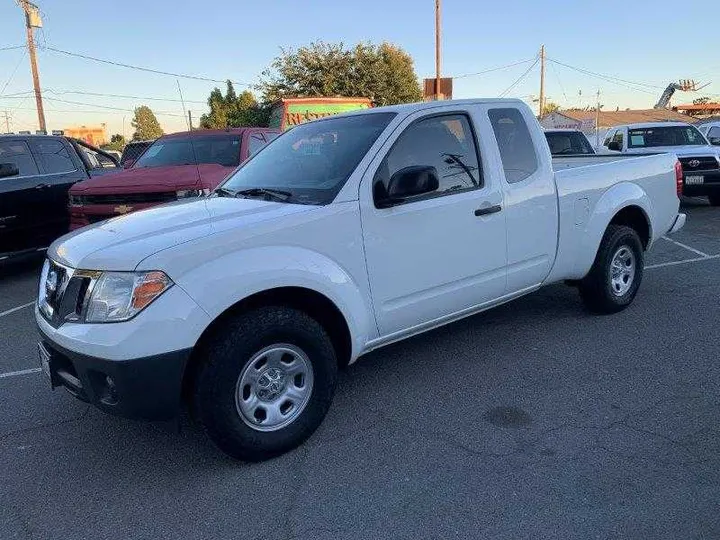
[267,382]
[614,279]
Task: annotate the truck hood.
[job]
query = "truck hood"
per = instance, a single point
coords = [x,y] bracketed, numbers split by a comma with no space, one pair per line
[150,179]
[680,151]
[123,242]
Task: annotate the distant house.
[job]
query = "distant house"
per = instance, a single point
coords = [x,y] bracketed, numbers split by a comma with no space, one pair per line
[585,119]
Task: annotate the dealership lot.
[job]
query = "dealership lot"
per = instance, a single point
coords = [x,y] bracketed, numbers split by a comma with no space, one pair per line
[534,420]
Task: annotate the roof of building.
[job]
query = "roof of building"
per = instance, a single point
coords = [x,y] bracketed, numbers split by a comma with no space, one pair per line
[695,107]
[614,118]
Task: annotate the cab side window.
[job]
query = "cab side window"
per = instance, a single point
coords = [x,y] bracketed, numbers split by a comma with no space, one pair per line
[608,137]
[53,156]
[18,153]
[444,142]
[618,137]
[517,150]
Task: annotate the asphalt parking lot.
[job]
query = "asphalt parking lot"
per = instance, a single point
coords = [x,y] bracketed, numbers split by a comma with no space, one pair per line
[535,420]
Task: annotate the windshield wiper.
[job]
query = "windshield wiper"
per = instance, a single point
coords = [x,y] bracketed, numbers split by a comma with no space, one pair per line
[224,192]
[267,192]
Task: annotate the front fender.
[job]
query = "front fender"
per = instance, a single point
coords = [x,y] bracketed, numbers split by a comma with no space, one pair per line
[610,203]
[223,282]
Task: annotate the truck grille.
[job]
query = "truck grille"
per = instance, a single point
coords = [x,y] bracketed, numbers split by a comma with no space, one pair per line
[700,163]
[62,292]
[128,198]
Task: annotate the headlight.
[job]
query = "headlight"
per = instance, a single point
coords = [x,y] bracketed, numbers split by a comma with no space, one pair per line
[190,193]
[119,296]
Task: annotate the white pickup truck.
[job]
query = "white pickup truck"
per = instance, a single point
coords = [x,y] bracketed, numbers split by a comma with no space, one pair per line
[341,236]
[700,161]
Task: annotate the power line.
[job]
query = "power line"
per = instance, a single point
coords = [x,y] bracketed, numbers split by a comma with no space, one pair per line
[557,76]
[139,68]
[520,78]
[12,47]
[108,107]
[10,78]
[492,69]
[609,78]
[120,96]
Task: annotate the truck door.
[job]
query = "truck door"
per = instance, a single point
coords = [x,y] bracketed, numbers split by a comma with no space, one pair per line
[531,208]
[22,203]
[60,167]
[433,256]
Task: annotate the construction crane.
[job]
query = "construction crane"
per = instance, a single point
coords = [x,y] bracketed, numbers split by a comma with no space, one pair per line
[685,85]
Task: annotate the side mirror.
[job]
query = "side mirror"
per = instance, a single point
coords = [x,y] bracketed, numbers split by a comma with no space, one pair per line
[715,141]
[615,146]
[129,163]
[407,182]
[8,169]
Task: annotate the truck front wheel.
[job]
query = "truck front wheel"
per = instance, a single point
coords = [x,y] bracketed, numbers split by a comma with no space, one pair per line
[613,280]
[267,382]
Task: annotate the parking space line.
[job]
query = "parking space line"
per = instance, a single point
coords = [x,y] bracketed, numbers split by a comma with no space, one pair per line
[21,372]
[685,246]
[675,263]
[18,308]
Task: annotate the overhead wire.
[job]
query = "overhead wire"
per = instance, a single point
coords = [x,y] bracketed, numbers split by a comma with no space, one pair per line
[10,78]
[499,68]
[140,68]
[12,47]
[632,85]
[520,78]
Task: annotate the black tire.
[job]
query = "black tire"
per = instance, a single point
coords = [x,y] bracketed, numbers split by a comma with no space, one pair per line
[596,289]
[226,356]
[714,200]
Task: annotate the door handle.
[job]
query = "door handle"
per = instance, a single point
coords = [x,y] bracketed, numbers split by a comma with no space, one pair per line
[488,210]
[42,186]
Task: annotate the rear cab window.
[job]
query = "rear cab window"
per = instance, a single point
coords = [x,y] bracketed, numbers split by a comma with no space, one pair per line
[18,153]
[517,150]
[568,142]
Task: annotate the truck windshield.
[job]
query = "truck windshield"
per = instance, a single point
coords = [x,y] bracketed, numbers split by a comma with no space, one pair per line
[568,142]
[224,150]
[665,136]
[310,162]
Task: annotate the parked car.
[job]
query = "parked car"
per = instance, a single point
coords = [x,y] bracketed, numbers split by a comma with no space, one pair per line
[700,161]
[132,151]
[344,235]
[36,172]
[178,166]
[711,130]
[568,141]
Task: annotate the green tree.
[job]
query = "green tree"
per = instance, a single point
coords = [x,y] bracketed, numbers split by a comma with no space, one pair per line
[117,143]
[232,110]
[701,101]
[383,73]
[146,125]
[550,107]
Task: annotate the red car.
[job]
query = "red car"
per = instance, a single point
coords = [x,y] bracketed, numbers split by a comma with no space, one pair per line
[176,166]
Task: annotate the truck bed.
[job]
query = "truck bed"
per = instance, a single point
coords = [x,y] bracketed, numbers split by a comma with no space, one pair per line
[588,188]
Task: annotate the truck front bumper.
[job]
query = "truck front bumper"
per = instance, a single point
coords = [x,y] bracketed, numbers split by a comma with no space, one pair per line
[146,388]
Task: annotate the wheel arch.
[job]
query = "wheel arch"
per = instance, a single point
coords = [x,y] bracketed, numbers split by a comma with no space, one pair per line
[317,305]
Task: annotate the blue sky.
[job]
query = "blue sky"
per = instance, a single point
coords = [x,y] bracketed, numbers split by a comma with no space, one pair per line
[641,41]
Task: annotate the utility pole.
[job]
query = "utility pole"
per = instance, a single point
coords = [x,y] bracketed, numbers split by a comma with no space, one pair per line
[32,20]
[437,50]
[190,119]
[7,121]
[542,81]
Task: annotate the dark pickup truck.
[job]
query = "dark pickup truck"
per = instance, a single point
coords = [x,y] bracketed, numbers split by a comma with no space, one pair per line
[36,173]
